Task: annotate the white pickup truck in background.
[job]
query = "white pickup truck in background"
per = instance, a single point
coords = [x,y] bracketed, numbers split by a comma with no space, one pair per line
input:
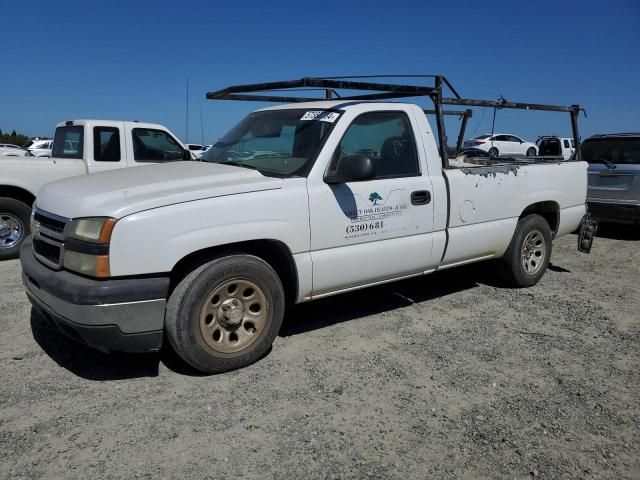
[296,202]
[80,147]
[551,146]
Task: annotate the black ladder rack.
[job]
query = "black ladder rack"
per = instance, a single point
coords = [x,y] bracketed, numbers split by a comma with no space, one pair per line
[277,92]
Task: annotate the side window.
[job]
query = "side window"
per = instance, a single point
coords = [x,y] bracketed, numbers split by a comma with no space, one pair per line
[566,143]
[500,138]
[68,142]
[514,139]
[106,144]
[386,138]
[150,145]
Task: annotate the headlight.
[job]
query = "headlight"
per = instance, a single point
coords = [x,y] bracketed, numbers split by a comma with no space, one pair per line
[87,264]
[87,246]
[95,230]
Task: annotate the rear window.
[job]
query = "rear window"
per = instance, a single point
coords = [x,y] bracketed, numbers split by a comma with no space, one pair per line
[68,142]
[482,137]
[615,150]
[549,147]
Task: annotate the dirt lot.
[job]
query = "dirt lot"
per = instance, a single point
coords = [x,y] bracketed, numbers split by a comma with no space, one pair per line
[448,376]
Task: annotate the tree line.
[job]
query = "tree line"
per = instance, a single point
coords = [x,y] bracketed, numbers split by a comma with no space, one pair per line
[13,138]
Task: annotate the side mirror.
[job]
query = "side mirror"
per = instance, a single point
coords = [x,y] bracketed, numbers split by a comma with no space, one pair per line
[352,168]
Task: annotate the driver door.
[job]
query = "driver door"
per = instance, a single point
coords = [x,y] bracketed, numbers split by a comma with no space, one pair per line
[363,232]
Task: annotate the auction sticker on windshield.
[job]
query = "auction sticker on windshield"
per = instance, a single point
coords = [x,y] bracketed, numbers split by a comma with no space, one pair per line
[321,116]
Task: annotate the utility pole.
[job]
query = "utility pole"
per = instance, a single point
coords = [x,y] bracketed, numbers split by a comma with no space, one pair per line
[186,140]
[201,124]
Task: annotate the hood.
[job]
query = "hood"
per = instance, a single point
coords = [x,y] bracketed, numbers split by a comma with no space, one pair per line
[121,192]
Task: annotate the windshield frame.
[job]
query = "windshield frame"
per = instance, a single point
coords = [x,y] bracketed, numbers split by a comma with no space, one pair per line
[305,169]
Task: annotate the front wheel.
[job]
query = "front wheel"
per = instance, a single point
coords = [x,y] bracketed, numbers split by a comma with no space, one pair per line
[225,314]
[531,152]
[529,252]
[14,226]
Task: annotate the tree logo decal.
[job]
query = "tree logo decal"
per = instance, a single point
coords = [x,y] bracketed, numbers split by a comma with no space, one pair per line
[374,197]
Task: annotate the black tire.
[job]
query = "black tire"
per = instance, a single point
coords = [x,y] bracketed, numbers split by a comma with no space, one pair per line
[193,295]
[531,152]
[14,216]
[493,152]
[513,268]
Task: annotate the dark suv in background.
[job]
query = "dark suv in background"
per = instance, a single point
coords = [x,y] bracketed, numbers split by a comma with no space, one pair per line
[614,176]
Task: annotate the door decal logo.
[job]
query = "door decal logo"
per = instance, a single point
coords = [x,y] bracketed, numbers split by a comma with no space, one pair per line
[374,197]
[375,214]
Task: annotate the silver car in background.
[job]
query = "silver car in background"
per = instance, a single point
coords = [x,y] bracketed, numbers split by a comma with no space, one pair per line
[614,176]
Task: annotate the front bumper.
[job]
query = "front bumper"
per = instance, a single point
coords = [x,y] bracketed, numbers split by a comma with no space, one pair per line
[615,212]
[110,315]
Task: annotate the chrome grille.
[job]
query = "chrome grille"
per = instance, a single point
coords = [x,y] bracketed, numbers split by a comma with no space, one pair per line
[48,238]
[47,250]
[49,223]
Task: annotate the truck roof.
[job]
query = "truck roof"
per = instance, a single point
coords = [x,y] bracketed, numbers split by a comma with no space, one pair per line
[109,123]
[622,134]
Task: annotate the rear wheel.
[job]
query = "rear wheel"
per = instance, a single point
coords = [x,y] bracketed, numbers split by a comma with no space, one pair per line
[529,252]
[225,314]
[14,226]
[493,152]
[531,152]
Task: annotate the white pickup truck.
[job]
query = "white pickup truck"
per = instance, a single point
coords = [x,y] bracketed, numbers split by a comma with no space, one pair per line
[80,147]
[296,202]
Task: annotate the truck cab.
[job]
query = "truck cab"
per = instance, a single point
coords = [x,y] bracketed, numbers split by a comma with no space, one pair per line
[79,147]
[104,144]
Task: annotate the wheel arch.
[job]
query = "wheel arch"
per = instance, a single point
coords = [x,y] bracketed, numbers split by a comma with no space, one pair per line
[17,193]
[274,252]
[549,210]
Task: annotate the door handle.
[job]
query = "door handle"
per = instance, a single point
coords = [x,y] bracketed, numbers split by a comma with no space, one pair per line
[420,197]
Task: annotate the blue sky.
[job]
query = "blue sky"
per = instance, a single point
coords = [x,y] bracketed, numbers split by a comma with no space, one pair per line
[131,59]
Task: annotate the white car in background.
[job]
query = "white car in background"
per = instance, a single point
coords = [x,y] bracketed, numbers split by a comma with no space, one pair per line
[10,150]
[196,149]
[501,144]
[40,148]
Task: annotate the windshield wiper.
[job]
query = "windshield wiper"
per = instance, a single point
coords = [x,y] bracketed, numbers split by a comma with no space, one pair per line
[610,165]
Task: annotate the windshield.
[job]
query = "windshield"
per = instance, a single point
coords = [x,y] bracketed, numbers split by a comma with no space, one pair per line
[611,150]
[275,142]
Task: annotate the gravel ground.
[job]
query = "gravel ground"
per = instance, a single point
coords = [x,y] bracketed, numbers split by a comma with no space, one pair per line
[447,376]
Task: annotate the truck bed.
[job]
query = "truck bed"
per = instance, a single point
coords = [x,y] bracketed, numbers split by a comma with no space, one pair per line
[487,198]
[484,161]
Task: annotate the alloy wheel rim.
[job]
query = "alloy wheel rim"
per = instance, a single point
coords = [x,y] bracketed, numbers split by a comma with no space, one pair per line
[533,252]
[234,315]
[11,230]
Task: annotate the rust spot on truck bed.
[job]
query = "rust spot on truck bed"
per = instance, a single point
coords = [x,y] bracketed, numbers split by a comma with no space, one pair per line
[491,171]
